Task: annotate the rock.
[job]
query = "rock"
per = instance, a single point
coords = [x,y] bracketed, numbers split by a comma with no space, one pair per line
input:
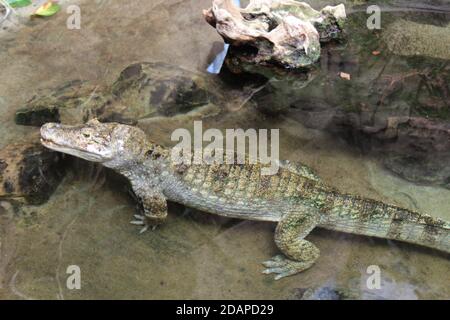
[36,116]
[276,32]
[29,173]
[417,149]
[413,147]
[435,134]
[394,108]
[142,90]
[328,293]
[407,38]
[281,88]
[71,102]
[162,89]
[424,169]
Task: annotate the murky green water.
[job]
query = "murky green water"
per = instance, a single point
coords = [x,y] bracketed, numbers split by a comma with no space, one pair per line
[196,255]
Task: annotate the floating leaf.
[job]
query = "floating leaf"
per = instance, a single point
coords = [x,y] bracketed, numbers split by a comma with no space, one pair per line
[48,9]
[18,3]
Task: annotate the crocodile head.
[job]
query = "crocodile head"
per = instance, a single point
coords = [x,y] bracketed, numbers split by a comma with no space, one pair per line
[111,144]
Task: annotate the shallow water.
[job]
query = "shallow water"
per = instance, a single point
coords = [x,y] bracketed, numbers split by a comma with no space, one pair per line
[196,255]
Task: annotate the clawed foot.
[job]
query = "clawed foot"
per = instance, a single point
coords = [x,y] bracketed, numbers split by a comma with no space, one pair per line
[284,267]
[145,222]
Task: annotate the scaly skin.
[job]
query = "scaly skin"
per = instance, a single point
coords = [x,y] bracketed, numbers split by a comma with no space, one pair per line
[295,197]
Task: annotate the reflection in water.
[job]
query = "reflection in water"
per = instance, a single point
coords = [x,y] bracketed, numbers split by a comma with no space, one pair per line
[216,65]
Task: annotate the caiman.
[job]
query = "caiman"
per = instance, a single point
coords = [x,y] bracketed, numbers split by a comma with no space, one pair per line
[294,198]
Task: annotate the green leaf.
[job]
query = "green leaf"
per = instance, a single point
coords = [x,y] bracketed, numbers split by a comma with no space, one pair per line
[48,9]
[18,3]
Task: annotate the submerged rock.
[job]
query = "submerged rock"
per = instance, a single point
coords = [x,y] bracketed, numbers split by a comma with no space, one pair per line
[413,147]
[281,88]
[66,103]
[426,169]
[29,173]
[141,91]
[276,32]
[162,89]
[408,38]
[417,149]
[393,108]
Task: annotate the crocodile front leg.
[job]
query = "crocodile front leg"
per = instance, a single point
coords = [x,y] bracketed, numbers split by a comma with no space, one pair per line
[155,210]
[299,254]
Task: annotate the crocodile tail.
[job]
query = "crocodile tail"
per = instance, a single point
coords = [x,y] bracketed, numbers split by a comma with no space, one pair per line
[372,218]
[421,229]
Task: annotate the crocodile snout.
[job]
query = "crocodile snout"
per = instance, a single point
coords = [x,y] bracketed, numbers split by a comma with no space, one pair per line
[48,130]
[51,134]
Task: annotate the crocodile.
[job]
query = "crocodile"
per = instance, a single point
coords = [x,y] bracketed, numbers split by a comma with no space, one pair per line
[295,197]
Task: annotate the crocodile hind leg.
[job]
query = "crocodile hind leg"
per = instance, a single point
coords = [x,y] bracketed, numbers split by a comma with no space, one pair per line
[299,254]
